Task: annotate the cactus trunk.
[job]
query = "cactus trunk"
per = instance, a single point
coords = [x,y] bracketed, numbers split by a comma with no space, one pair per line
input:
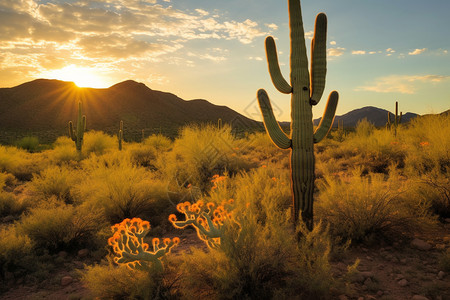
[78,134]
[306,90]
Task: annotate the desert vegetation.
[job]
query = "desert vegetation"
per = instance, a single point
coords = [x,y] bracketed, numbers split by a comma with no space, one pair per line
[223,213]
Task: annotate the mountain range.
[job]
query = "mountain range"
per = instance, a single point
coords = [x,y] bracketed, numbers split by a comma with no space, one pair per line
[43,108]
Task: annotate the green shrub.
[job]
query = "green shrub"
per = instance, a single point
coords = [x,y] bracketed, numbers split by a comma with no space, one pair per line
[15,249]
[98,142]
[201,152]
[10,205]
[29,143]
[120,282]
[63,151]
[264,262]
[435,189]
[57,227]
[364,128]
[18,162]
[158,142]
[55,181]
[121,190]
[360,208]
[428,143]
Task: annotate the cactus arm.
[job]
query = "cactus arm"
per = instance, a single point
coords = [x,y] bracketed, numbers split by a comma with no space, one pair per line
[400,119]
[299,60]
[279,138]
[274,68]
[318,59]
[328,117]
[72,133]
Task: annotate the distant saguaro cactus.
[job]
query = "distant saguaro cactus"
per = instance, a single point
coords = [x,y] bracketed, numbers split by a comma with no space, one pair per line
[397,119]
[120,135]
[306,90]
[219,123]
[77,135]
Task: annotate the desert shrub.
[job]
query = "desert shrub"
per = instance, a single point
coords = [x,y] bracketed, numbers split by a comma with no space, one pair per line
[373,149]
[262,190]
[55,227]
[109,281]
[121,190]
[264,262]
[158,142]
[63,151]
[143,155]
[98,142]
[435,189]
[6,179]
[444,261]
[428,144]
[364,128]
[360,208]
[259,149]
[15,248]
[10,205]
[18,162]
[55,181]
[201,152]
[261,258]
[29,143]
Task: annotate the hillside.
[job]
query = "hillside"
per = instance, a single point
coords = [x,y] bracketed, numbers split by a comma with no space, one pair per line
[43,108]
[375,115]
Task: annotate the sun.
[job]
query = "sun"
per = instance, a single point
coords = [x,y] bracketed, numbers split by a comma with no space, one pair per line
[82,77]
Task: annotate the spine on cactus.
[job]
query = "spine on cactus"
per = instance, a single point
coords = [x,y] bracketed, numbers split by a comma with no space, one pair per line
[78,134]
[209,223]
[120,135]
[306,89]
[129,246]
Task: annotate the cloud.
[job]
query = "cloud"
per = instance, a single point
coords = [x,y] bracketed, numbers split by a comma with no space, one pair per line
[258,58]
[272,26]
[417,51]
[333,43]
[50,34]
[335,51]
[358,52]
[404,84]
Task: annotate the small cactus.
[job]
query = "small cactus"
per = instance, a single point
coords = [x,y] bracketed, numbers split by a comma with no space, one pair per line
[219,123]
[128,243]
[120,135]
[306,89]
[397,119]
[209,223]
[77,135]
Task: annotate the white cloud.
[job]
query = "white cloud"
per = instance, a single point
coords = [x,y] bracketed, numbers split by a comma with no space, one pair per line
[417,51]
[309,35]
[404,84]
[258,58]
[335,51]
[358,52]
[333,43]
[272,26]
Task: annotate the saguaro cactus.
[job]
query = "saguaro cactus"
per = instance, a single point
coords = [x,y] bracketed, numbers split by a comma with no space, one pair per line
[77,136]
[120,135]
[397,119]
[306,90]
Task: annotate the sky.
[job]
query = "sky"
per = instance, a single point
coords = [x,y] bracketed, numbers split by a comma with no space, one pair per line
[378,52]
